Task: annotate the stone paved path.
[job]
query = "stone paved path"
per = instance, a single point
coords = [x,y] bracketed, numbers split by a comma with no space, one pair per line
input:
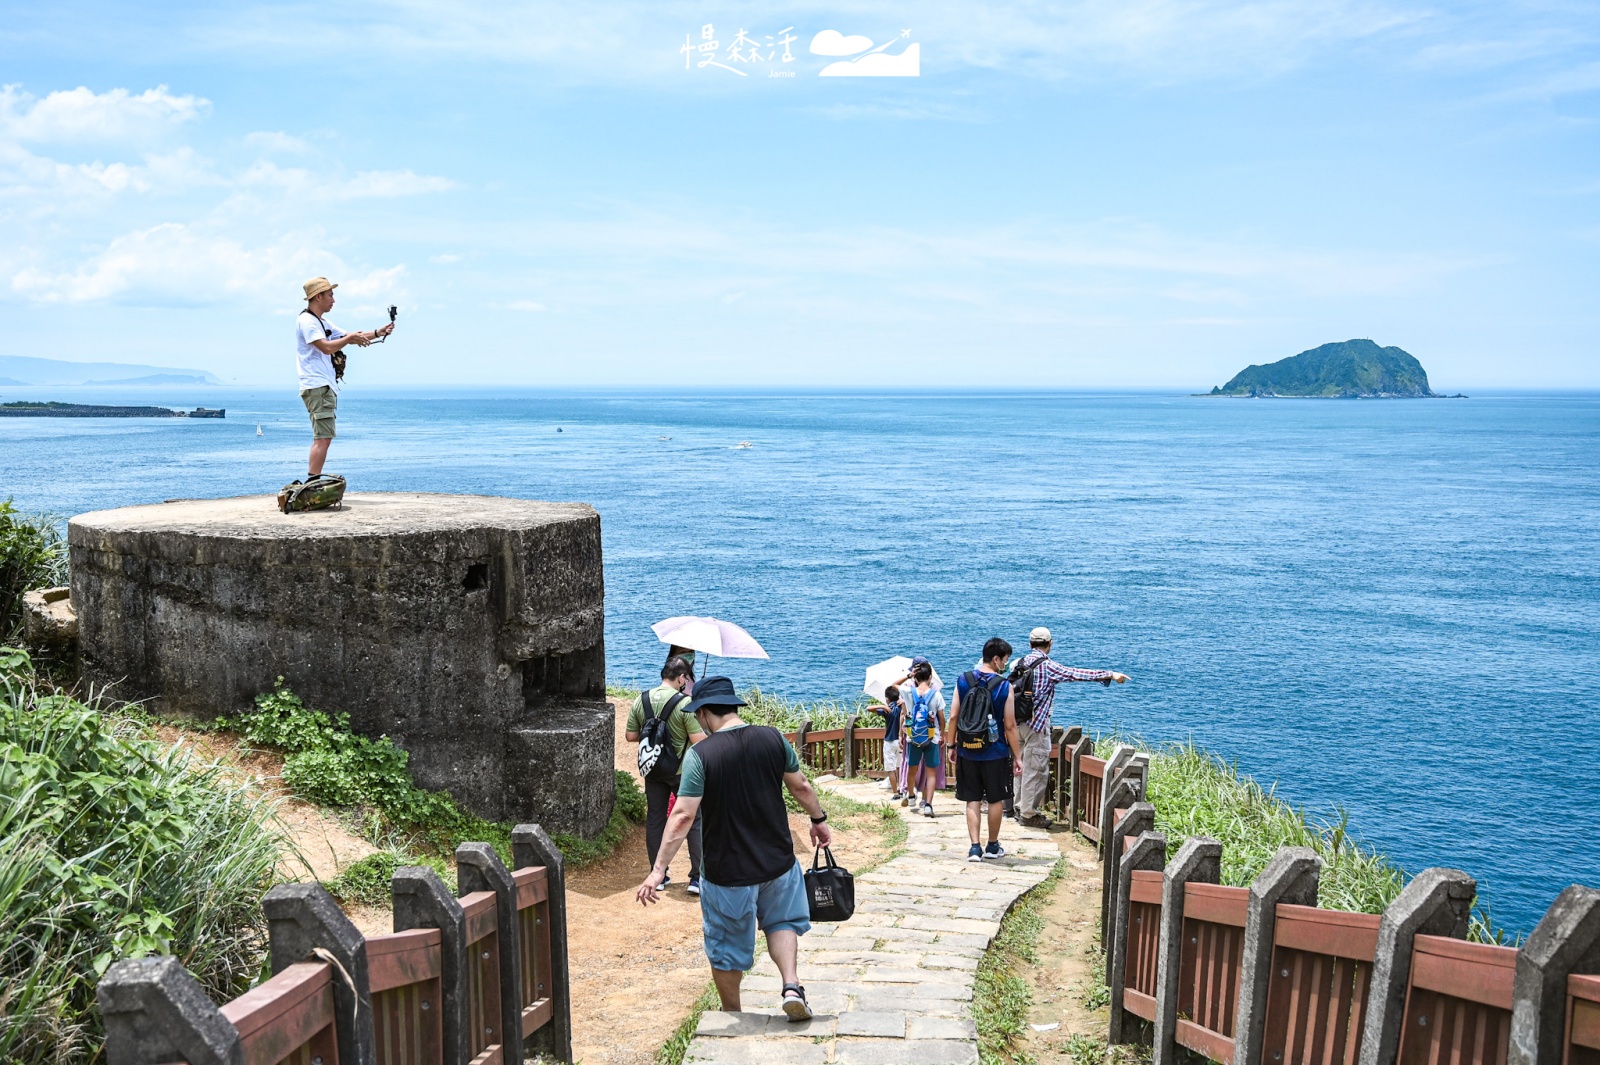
[894,983]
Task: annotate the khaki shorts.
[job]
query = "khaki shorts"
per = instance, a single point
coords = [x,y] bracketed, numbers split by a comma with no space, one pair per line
[323,405]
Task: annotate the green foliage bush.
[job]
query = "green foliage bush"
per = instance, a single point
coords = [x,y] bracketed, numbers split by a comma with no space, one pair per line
[765,708]
[325,763]
[32,555]
[366,882]
[114,845]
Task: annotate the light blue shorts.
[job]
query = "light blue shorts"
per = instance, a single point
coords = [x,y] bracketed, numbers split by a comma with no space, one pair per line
[729,916]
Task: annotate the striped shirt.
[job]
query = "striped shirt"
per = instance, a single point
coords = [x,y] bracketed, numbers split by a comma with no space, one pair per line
[1046,675]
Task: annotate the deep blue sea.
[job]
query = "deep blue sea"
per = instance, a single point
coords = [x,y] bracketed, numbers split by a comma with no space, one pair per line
[1389,606]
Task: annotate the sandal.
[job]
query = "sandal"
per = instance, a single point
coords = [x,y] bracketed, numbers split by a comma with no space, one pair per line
[795,1006]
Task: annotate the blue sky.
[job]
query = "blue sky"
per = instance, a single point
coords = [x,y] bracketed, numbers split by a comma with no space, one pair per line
[1100,194]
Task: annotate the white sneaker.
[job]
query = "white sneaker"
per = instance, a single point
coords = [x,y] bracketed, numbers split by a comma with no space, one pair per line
[884,784]
[927,809]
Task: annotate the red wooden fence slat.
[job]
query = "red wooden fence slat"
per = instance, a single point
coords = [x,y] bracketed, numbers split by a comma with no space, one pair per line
[1582,1043]
[288,1016]
[1091,778]
[1317,990]
[1458,1003]
[1209,967]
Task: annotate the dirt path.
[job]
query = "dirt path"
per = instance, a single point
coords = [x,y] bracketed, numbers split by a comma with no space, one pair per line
[1069,967]
[318,843]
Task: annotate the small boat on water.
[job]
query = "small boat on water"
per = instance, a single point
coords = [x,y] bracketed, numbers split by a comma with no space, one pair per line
[258,430]
[744,445]
[663,438]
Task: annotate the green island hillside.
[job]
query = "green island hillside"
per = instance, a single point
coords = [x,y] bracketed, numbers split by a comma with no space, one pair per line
[1353,369]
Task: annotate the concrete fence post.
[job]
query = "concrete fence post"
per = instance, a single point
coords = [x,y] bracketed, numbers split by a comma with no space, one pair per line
[1141,818]
[1063,796]
[1199,861]
[1123,793]
[1438,902]
[850,746]
[531,847]
[1566,941]
[421,900]
[478,868]
[156,1012]
[800,741]
[1291,877]
[1083,746]
[303,918]
[1149,852]
[1120,754]
[1141,762]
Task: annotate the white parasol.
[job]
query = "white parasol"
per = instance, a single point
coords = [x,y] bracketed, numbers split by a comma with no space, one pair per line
[709,636]
[892,671]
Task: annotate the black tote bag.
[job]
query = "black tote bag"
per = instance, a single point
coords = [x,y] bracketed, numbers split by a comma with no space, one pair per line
[830,889]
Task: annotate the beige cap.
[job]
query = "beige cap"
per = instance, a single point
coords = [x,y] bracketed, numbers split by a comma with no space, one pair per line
[317,286]
[1039,635]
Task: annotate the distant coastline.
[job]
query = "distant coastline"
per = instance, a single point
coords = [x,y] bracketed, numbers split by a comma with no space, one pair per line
[27,409]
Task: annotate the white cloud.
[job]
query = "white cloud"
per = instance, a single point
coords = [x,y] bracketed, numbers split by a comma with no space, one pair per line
[445,259]
[178,263]
[83,115]
[526,305]
[280,142]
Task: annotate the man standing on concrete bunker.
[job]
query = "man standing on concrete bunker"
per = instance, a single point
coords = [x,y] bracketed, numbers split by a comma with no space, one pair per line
[320,362]
[750,877]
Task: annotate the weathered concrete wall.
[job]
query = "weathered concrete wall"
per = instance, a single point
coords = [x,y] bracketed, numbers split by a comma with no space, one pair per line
[468,629]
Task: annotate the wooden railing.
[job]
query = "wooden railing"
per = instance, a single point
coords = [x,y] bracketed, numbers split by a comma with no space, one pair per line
[1208,974]
[1581,1041]
[1263,976]
[1144,940]
[475,980]
[1321,973]
[1458,1004]
[1086,804]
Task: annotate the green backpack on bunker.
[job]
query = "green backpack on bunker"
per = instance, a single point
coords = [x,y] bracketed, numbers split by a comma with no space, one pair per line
[316,494]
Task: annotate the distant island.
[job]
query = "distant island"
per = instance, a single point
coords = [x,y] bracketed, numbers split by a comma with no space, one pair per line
[25,370]
[1354,369]
[97,410]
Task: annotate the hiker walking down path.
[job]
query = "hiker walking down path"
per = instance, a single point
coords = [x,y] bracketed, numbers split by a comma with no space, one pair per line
[737,776]
[923,731]
[982,736]
[1034,681]
[665,730]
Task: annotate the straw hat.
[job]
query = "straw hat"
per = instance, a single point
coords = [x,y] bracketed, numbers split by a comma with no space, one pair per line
[317,286]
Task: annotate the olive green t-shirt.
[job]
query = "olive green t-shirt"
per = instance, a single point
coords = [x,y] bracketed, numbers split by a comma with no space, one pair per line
[683,725]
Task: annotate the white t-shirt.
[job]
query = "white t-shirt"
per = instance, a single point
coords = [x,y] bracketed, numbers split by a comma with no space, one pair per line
[315,367]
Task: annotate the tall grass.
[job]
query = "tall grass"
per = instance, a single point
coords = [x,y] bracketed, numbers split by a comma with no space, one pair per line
[114,845]
[1195,793]
[765,708]
[32,555]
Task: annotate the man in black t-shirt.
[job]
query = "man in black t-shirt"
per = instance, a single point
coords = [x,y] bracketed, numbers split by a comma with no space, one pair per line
[734,779]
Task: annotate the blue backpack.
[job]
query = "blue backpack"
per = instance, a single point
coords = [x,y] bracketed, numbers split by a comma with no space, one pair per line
[921,724]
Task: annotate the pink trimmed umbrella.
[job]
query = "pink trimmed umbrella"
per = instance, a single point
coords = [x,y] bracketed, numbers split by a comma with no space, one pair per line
[708,636]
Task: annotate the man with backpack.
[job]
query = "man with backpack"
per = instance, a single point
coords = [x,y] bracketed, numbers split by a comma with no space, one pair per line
[1034,683]
[664,731]
[983,739]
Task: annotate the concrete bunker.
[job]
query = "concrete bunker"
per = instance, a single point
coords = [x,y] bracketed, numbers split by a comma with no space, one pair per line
[468,629]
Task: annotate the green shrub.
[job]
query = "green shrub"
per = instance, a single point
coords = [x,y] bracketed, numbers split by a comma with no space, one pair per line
[114,845]
[326,763]
[366,882]
[32,555]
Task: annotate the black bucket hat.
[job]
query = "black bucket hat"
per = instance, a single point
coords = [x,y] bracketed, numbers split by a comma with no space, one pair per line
[713,691]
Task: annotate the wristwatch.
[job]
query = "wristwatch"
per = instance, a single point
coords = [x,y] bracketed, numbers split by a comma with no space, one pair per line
[819,820]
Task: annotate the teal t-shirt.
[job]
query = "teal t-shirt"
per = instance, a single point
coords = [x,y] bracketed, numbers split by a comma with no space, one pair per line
[693,783]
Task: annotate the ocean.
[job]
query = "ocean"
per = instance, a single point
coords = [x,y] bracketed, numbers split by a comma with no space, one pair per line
[1389,607]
